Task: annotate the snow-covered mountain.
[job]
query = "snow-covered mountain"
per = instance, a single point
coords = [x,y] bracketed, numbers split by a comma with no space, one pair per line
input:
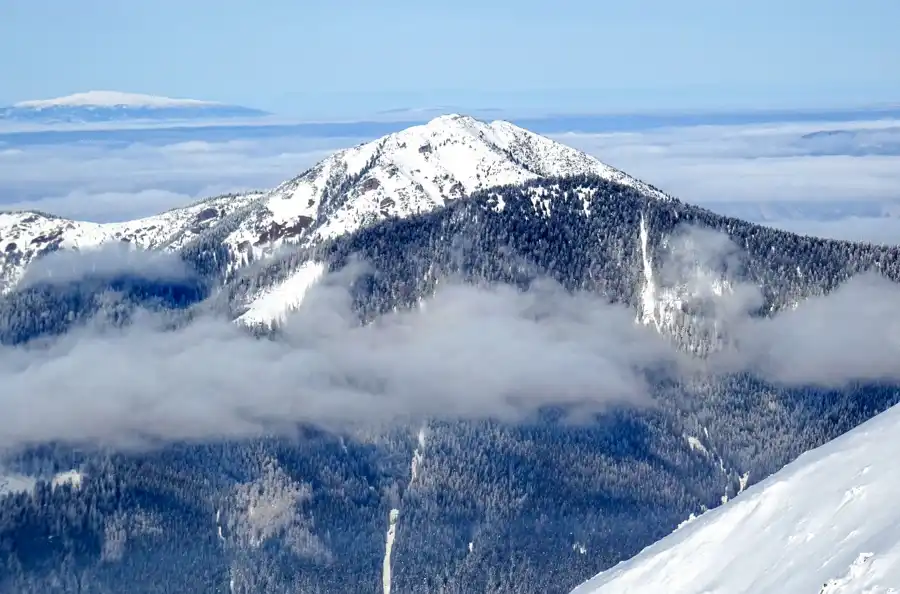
[114,106]
[413,171]
[442,505]
[826,523]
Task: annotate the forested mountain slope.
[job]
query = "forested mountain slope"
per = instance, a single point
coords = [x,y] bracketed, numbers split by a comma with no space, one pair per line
[826,523]
[475,502]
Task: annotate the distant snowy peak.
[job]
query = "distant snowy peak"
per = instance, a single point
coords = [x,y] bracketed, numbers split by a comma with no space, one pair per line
[826,523]
[112,99]
[115,106]
[413,171]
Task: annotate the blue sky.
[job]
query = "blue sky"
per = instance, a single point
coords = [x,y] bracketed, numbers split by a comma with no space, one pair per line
[316,58]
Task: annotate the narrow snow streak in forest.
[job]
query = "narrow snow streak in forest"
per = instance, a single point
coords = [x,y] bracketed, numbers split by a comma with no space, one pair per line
[388,545]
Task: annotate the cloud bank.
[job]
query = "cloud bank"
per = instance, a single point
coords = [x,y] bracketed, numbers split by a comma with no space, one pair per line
[468,352]
[106,261]
[107,180]
[850,335]
[758,163]
[761,167]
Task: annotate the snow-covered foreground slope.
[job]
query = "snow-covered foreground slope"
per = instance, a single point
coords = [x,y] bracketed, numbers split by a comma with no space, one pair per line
[827,523]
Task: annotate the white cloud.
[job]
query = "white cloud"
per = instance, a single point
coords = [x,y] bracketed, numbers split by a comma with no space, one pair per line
[759,162]
[106,206]
[732,167]
[107,182]
[107,261]
[471,352]
[113,180]
[490,352]
[870,229]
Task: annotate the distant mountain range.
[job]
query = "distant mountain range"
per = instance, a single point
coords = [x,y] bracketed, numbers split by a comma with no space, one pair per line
[113,106]
[448,504]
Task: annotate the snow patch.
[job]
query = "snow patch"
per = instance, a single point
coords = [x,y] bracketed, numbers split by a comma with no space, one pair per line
[418,457]
[696,445]
[70,477]
[276,302]
[16,483]
[19,483]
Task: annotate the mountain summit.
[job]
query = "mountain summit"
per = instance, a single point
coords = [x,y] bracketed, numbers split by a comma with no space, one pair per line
[413,171]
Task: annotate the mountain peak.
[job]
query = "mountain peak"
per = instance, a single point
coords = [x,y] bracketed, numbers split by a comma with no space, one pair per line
[450,118]
[422,167]
[449,123]
[114,106]
[111,99]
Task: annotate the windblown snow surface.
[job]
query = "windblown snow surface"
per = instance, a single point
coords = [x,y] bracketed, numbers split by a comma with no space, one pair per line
[828,523]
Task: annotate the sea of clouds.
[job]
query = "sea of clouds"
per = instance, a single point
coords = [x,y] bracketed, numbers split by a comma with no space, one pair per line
[838,179]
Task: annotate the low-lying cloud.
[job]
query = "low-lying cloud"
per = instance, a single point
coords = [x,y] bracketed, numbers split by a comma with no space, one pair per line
[758,163]
[109,181]
[850,335]
[880,230]
[109,260]
[469,352]
[734,167]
